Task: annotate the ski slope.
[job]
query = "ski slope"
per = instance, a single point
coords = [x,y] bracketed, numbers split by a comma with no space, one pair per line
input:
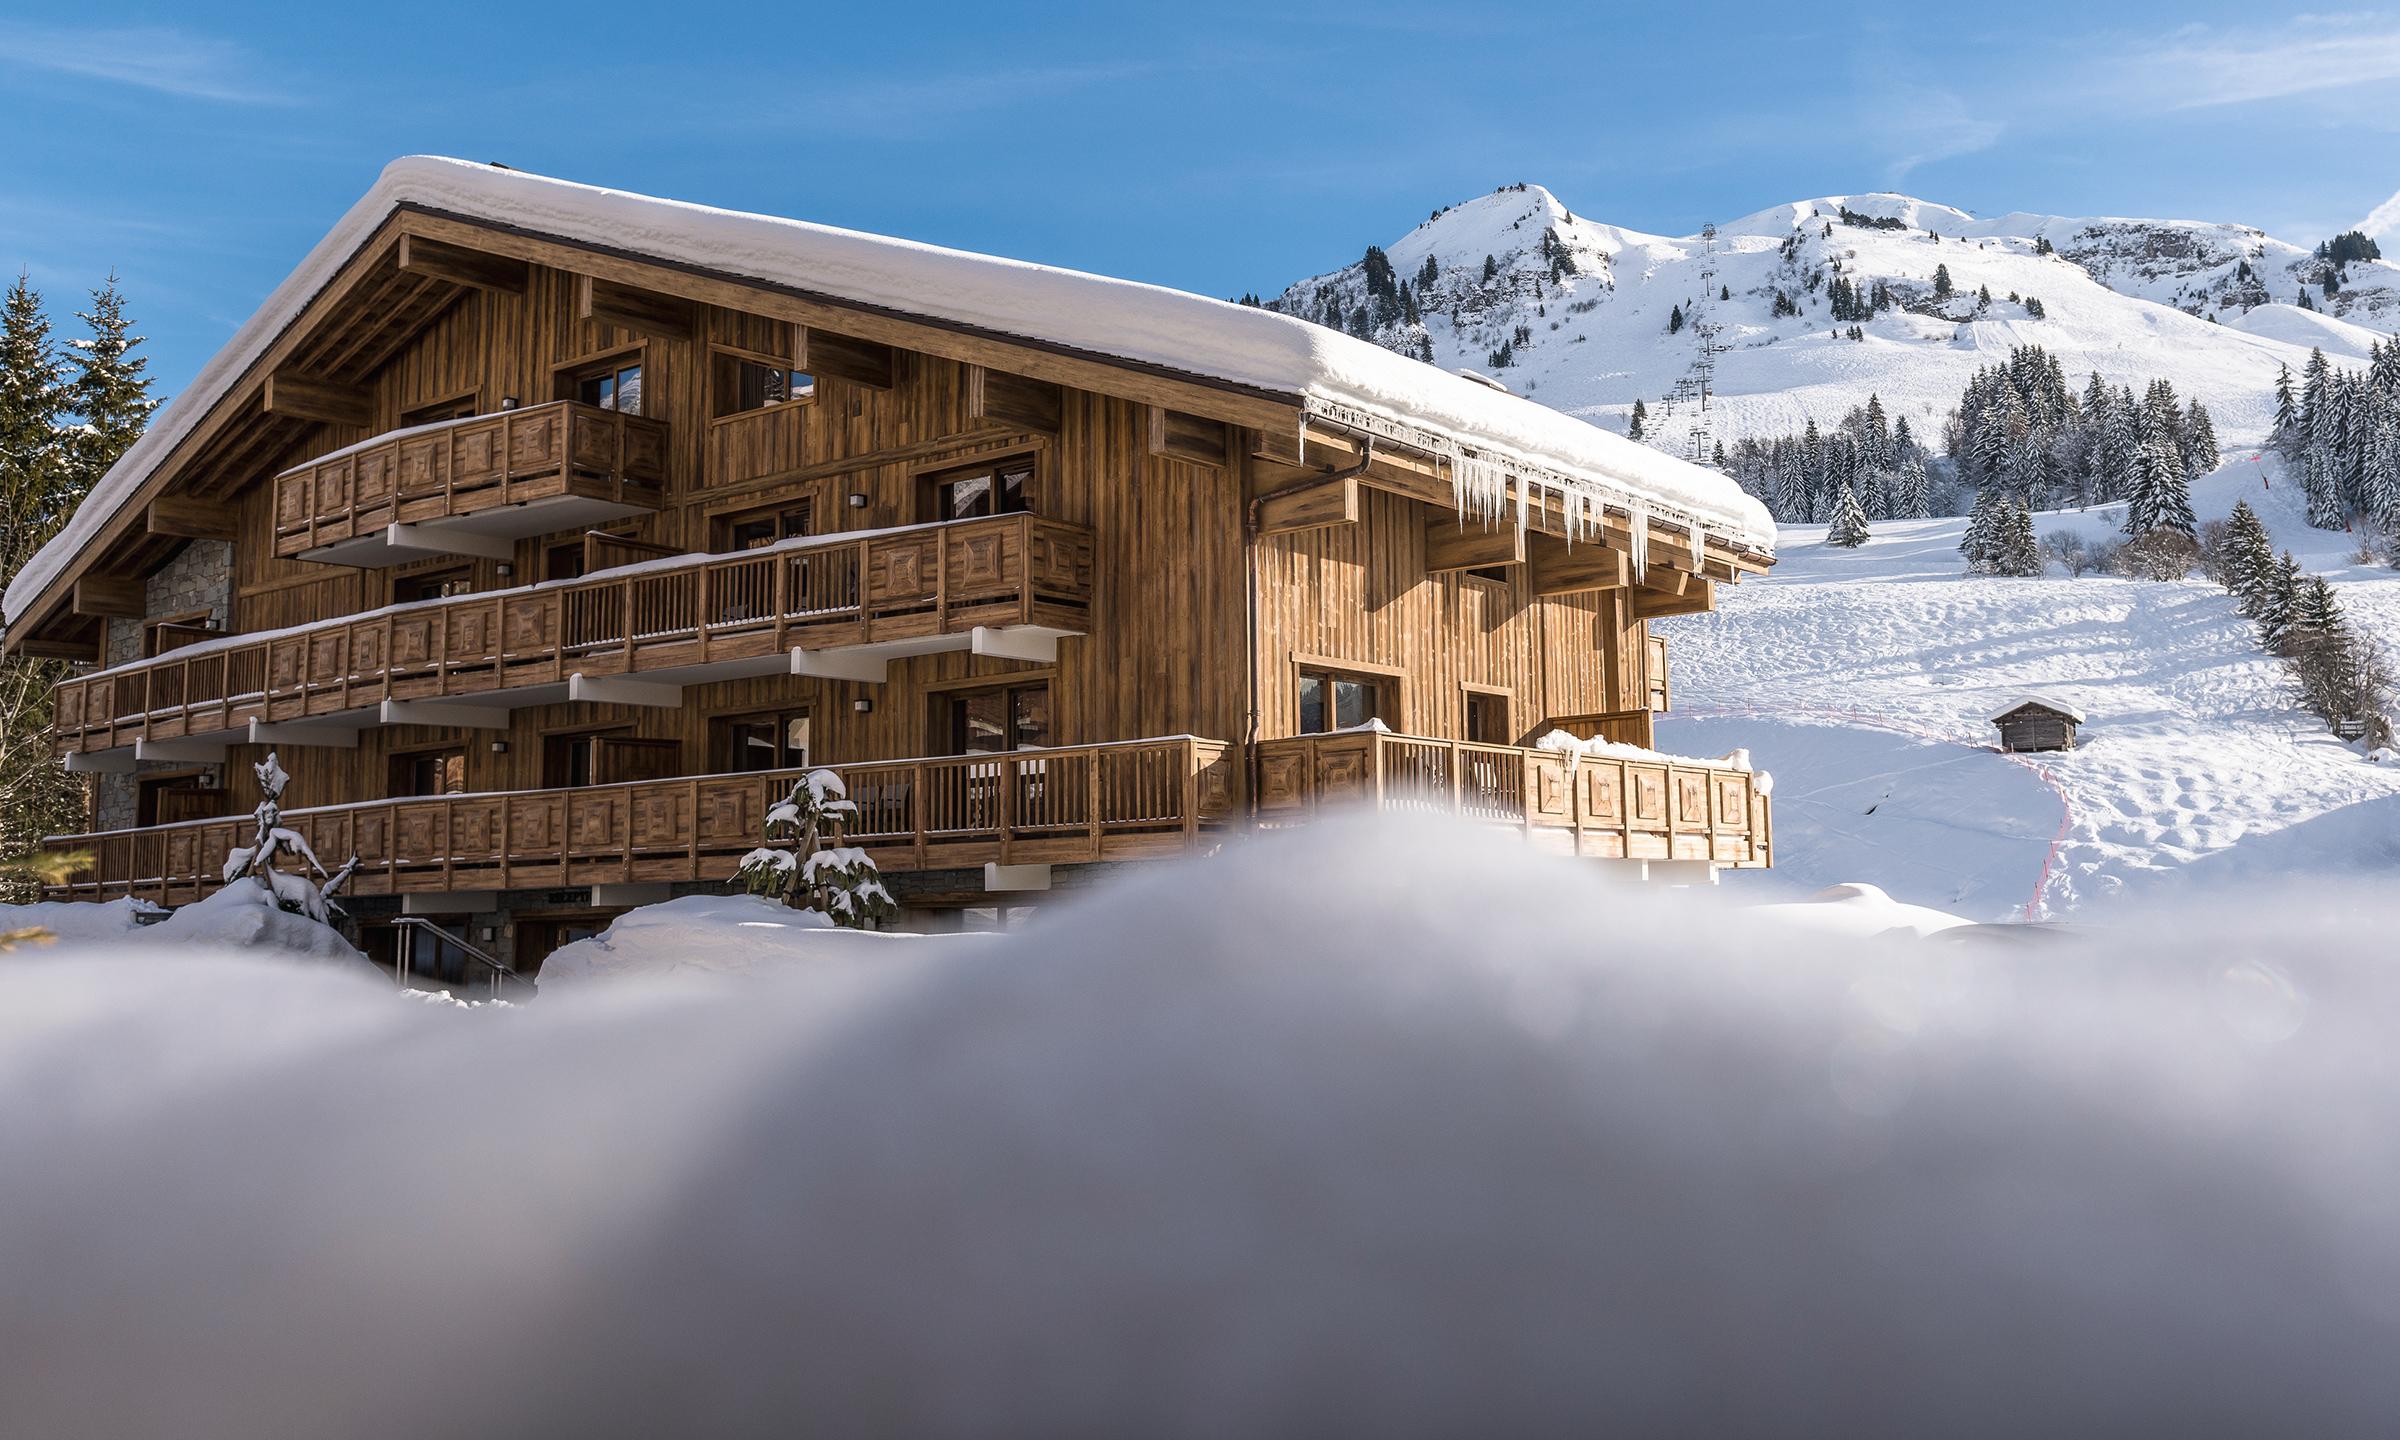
[1863,680]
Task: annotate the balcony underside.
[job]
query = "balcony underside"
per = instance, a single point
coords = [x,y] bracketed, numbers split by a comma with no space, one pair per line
[491,534]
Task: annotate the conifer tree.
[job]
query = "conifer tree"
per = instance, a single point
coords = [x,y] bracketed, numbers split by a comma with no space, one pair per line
[2277,600]
[2249,559]
[109,390]
[38,488]
[1641,418]
[1849,530]
[2287,410]
[1942,288]
[1981,541]
[2015,552]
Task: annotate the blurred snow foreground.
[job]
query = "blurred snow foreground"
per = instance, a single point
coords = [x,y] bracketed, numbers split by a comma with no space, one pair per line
[1347,1133]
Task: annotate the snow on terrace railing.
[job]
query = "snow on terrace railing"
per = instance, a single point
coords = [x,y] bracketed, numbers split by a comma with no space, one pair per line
[1068,805]
[814,592]
[1593,797]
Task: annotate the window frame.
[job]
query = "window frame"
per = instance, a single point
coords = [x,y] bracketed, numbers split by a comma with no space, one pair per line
[721,743]
[932,479]
[403,761]
[570,375]
[1469,695]
[723,524]
[725,366]
[1389,683]
[949,718]
[466,571]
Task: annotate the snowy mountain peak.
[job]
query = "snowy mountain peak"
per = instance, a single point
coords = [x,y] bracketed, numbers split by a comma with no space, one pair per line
[1811,306]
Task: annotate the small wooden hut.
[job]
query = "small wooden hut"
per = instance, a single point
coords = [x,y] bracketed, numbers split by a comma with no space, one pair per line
[2037,724]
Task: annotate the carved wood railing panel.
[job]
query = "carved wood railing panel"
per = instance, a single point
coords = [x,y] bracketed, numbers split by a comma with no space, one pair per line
[460,467]
[933,580]
[1071,805]
[1609,806]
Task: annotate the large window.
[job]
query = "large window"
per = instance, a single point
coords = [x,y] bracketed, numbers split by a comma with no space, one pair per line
[430,772]
[744,385]
[434,584]
[1332,700]
[753,529]
[1002,487]
[1005,717]
[762,742]
[614,386]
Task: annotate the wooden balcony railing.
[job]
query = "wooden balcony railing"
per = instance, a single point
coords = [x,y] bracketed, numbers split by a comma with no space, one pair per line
[878,586]
[1658,809]
[462,467]
[1076,804]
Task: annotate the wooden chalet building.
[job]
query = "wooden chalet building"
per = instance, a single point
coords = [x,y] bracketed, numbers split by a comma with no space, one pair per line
[547,530]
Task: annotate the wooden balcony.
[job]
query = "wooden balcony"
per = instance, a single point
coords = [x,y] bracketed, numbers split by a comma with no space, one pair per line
[838,604]
[1140,799]
[1621,809]
[473,486]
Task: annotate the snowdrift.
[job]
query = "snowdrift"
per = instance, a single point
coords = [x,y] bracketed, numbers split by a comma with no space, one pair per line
[1352,1133]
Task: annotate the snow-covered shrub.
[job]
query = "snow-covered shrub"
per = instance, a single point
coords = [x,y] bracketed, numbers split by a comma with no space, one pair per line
[2157,555]
[804,862]
[294,894]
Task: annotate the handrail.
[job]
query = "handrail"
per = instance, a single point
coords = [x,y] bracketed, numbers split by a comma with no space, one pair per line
[472,951]
[825,591]
[468,464]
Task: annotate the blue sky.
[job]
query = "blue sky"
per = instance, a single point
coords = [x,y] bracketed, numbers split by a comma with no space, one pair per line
[1220,147]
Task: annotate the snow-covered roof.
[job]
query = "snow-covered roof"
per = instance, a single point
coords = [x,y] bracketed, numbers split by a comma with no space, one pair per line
[2059,707]
[1322,371]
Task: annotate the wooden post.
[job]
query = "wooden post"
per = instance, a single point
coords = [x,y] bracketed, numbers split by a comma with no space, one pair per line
[1091,803]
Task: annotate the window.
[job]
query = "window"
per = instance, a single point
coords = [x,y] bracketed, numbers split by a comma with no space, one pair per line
[617,386]
[430,772]
[169,799]
[745,385]
[173,632]
[458,407]
[752,529]
[1487,718]
[563,561]
[568,760]
[1007,717]
[434,584]
[1332,701]
[762,742]
[1001,488]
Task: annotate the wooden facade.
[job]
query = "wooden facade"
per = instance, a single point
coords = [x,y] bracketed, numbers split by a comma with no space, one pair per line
[788,526]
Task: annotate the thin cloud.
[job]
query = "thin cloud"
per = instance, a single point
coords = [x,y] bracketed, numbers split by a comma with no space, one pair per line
[2199,67]
[2383,222]
[148,57]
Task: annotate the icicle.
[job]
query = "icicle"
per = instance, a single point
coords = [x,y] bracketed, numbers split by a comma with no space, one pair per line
[1638,514]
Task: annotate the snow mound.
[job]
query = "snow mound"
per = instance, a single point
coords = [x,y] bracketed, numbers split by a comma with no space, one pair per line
[725,935]
[1362,1132]
[237,918]
[1859,911]
[79,921]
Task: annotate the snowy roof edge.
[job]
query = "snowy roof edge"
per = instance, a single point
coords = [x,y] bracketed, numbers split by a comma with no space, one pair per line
[2060,707]
[1108,318]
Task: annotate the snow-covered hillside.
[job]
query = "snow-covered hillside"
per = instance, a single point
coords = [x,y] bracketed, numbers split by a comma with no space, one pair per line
[1586,311]
[1864,681]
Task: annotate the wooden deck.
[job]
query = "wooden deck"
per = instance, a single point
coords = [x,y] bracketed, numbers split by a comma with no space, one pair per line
[913,584]
[1587,805]
[1073,805]
[457,468]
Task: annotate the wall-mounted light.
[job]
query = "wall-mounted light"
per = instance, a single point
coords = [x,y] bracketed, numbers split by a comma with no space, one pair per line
[505,570]
[858,501]
[862,705]
[499,747]
[508,402]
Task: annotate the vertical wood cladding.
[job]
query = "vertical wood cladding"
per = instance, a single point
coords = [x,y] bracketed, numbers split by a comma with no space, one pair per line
[1166,653]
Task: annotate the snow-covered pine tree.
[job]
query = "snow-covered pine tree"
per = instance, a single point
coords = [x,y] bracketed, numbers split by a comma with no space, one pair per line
[39,485]
[2278,598]
[2015,551]
[2249,559]
[2199,439]
[1981,541]
[2169,488]
[1641,417]
[109,390]
[805,862]
[1911,491]
[2323,489]
[2382,486]
[2287,412]
[1849,529]
[1942,287]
